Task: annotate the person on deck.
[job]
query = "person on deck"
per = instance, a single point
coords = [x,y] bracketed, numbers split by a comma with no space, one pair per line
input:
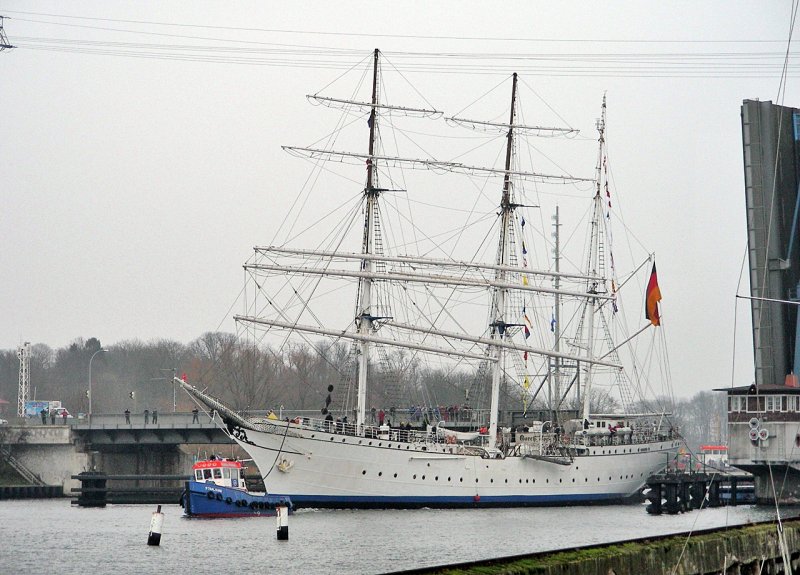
[128,416]
[194,416]
[146,416]
[44,416]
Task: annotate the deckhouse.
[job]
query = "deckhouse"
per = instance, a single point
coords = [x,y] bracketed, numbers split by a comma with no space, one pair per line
[222,472]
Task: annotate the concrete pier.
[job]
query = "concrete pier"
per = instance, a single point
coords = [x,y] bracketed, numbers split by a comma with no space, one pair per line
[734,551]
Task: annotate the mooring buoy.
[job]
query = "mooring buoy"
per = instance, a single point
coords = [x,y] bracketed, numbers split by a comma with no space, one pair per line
[156,522]
[282,516]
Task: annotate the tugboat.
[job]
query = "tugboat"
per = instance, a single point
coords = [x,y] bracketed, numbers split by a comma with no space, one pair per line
[218,489]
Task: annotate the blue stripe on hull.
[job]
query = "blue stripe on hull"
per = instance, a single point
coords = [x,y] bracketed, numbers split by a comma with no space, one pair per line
[453,502]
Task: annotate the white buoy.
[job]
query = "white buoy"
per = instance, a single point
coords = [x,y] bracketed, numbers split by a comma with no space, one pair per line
[282,516]
[154,537]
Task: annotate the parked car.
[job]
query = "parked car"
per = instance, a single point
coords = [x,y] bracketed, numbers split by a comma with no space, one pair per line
[3,422]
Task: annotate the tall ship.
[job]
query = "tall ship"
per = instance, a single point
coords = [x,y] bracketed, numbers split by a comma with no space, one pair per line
[567,419]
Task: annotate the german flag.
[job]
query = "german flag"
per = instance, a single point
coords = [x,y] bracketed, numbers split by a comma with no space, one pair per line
[652,297]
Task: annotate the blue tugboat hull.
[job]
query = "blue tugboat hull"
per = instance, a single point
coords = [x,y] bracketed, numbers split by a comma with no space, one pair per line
[210,500]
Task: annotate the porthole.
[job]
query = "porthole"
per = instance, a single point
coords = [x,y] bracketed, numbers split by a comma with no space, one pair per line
[547,480]
[313,435]
[526,481]
[370,443]
[506,480]
[476,480]
[342,439]
[559,480]
[491,481]
[448,479]
[389,445]
[586,480]
[423,478]
[461,480]
[331,438]
[436,478]
[380,444]
[395,474]
[573,480]
[380,473]
[598,479]
[415,476]
[520,480]
[364,472]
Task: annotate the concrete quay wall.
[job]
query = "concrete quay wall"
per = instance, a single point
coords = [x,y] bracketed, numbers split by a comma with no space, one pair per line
[733,551]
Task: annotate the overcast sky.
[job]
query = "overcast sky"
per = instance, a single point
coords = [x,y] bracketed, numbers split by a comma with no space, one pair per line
[136,175]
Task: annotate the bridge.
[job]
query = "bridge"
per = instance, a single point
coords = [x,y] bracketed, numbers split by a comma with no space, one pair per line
[51,453]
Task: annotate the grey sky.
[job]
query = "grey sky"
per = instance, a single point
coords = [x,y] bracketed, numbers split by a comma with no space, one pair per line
[133,188]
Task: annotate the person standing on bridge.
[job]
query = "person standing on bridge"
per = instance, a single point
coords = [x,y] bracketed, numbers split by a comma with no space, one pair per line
[155,416]
[44,416]
[194,416]
[146,416]
[128,416]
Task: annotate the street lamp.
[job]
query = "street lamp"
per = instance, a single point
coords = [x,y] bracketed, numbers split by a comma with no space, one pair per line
[90,381]
[174,371]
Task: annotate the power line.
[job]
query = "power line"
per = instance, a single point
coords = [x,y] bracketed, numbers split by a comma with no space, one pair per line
[404,36]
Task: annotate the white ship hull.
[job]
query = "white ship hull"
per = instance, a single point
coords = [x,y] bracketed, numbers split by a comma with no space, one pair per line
[323,469]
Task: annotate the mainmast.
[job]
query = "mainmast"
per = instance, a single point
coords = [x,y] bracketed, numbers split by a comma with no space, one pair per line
[499,300]
[555,376]
[364,316]
[595,261]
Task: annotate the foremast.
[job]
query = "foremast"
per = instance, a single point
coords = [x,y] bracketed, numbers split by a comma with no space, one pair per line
[364,317]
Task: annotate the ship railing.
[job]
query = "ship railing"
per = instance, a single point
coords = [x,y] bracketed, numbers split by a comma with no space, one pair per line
[345,428]
[635,437]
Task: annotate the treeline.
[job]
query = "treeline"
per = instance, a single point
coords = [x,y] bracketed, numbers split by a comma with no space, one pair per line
[243,375]
[256,377]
